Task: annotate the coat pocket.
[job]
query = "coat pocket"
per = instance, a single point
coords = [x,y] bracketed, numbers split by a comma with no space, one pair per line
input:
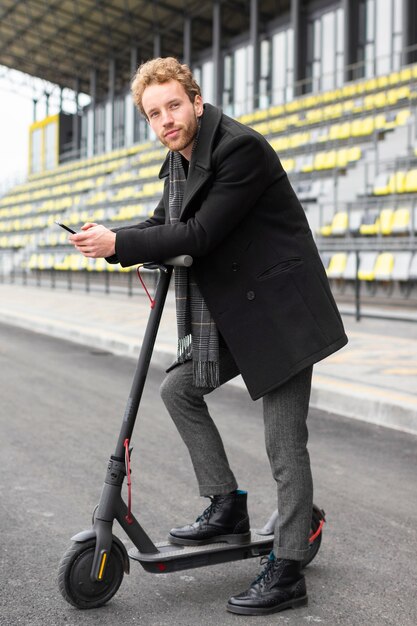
[280,267]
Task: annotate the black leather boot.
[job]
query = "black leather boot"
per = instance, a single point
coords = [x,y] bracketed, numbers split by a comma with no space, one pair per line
[279,586]
[226,519]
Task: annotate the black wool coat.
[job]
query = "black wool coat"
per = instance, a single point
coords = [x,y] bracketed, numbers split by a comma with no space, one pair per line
[255,259]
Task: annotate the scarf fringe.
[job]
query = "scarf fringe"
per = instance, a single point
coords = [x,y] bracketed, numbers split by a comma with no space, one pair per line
[185,349]
[206,374]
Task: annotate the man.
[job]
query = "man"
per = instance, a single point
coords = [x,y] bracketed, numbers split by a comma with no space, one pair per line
[256,302]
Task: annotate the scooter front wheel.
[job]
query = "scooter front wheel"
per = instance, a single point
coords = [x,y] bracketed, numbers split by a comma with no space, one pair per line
[74,579]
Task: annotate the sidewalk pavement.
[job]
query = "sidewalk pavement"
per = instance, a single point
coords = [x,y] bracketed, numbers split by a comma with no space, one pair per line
[372,379]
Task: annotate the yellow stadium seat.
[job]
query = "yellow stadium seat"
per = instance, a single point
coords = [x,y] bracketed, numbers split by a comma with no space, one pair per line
[338,225]
[342,157]
[330,159]
[98,265]
[319,161]
[385,221]
[33,262]
[380,121]
[411,181]
[402,117]
[356,128]
[383,266]
[382,82]
[401,223]
[354,154]
[397,182]
[368,126]
[381,185]
[337,265]
[394,78]
[288,164]
[380,100]
[371,84]
[370,224]
[326,230]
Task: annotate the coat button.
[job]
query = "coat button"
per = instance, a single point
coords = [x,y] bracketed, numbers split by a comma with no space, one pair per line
[235,267]
[250,295]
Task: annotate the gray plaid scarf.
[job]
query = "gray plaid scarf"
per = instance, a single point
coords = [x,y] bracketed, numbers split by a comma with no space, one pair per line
[198,338]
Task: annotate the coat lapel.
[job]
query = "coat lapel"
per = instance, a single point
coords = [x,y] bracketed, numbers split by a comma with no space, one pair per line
[200,165]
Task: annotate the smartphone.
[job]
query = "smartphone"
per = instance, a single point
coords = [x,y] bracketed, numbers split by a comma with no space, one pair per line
[66,228]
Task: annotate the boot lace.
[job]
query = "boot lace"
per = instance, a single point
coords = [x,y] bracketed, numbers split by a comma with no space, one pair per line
[266,574]
[205,516]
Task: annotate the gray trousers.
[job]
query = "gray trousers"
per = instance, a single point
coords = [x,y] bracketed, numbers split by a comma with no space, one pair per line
[285,412]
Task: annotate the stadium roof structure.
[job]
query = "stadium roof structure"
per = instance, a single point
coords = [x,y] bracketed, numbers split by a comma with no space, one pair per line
[63,40]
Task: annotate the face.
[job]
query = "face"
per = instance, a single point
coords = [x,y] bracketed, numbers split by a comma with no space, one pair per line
[172,116]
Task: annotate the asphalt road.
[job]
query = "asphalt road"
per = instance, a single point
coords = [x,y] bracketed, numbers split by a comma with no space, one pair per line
[60,409]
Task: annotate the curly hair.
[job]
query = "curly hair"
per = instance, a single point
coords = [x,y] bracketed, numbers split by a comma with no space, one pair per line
[162,70]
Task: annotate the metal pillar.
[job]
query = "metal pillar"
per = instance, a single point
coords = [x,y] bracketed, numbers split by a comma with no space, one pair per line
[217,65]
[110,107]
[351,35]
[299,45]
[157,45]
[409,31]
[254,42]
[187,41]
[76,118]
[129,104]
[91,115]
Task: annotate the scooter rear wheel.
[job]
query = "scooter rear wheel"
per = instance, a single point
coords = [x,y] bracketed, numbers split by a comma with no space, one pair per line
[314,546]
[74,579]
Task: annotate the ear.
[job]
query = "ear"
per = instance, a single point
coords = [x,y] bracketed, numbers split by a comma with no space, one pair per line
[198,106]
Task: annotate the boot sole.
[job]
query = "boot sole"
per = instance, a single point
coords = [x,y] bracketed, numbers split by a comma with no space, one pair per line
[247,610]
[231,539]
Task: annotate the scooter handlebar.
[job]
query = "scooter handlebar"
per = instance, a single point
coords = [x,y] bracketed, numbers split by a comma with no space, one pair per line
[183,260]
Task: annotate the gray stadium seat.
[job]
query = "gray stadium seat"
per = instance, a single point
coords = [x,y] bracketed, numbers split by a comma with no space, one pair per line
[350,269]
[355,221]
[402,262]
[413,267]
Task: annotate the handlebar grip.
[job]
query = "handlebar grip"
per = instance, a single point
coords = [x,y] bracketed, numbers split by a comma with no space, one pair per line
[183,260]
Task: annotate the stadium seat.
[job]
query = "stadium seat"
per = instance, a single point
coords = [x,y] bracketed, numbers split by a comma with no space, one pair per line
[413,267]
[401,269]
[367,262]
[370,223]
[401,222]
[337,265]
[349,273]
[384,265]
[410,184]
[385,221]
[381,185]
[355,220]
[337,226]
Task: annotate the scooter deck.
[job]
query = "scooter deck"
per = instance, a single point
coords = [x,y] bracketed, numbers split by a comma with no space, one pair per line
[174,558]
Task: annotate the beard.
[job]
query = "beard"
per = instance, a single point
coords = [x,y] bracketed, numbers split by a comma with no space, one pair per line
[185,136]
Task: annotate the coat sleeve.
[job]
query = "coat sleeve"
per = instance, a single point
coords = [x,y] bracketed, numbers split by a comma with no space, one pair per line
[240,175]
[157,218]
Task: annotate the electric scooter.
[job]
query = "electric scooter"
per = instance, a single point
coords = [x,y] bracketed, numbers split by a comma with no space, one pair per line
[92,569]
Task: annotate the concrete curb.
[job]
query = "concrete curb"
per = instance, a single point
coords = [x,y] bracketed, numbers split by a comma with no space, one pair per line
[348,399]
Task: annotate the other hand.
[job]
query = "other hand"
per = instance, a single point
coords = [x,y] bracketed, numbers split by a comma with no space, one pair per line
[94,241]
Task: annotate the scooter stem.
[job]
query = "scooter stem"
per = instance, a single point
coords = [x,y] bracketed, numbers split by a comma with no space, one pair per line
[142,368]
